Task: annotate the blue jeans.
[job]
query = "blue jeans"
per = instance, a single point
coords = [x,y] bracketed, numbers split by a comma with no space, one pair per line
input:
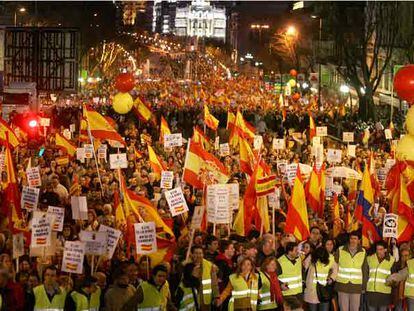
[322,306]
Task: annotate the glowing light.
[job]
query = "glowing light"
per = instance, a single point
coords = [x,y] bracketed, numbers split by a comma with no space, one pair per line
[32,123]
[344,88]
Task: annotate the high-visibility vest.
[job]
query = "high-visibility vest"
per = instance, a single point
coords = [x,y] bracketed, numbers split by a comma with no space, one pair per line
[266,302]
[409,283]
[206,282]
[322,271]
[187,302]
[243,296]
[350,268]
[291,275]
[1,302]
[84,304]
[378,273]
[42,302]
[95,301]
[152,298]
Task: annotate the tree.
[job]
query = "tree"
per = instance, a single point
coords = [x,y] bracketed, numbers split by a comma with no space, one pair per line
[365,39]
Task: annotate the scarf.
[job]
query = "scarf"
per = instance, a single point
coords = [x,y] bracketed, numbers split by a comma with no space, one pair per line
[275,291]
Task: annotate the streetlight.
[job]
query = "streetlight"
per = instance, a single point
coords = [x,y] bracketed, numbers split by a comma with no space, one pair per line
[291,31]
[259,27]
[20,10]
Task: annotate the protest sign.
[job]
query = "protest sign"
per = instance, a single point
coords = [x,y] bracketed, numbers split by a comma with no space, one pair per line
[113,238]
[118,160]
[167,178]
[30,198]
[197,218]
[67,134]
[217,143]
[102,151]
[316,140]
[44,122]
[73,256]
[351,151]
[388,134]
[95,242]
[257,142]
[33,177]
[348,137]
[390,228]
[233,196]
[281,166]
[334,155]
[80,154]
[273,199]
[321,131]
[290,173]
[218,209]
[173,140]
[59,214]
[278,144]
[88,151]
[62,161]
[18,245]
[224,150]
[72,127]
[79,208]
[145,237]
[41,229]
[176,201]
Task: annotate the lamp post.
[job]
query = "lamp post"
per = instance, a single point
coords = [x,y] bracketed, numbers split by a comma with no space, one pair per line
[20,10]
[319,62]
[259,27]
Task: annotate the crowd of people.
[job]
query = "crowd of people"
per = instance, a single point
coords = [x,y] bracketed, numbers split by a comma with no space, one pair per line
[223,270]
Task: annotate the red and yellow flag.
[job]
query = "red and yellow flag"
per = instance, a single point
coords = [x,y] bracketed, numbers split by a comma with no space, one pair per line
[164,129]
[6,131]
[241,129]
[200,138]
[247,157]
[63,143]
[265,185]
[142,110]
[156,164]
[312,128]
[297,222]
[336,217]
[315,191]
[209,120]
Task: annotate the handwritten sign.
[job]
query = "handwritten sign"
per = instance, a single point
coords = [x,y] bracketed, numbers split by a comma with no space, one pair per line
[30,198]
[67,134]
[44,122]
[278,144]
[33,177]
[197,217]
[217,143]
[348,137]
[173,140]
[218,208]
[390,228]
[88,151]
[290,172]
[145,238]
[80,154]
[257,142]
[388,134]
[95,242]
[18,245]
[102,151]
[58,213]
[351,151]
[113,239]
[167,178]
[321,131]
[233,196]
[79,207]
[224,150]
[118,160]
[73,256]
[176,201]
[41,229]
[334,155]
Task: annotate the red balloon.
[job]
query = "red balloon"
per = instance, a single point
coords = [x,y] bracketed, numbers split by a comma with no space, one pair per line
[293,72]
[404,83]
[296,96]
[125,82]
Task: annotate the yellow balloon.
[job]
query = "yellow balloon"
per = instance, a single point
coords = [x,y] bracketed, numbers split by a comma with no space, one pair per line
[409,121]
[122,103]
[292,82]
[405,146]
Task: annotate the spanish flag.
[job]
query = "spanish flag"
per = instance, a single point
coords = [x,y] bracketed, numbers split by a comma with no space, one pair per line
[241,129]
[156,164]
[120,219]
[6,131]
[138,155]
[297,222]
[200,138]
[209,120]
[142,110]
[201,167]
[247,157]
[65,144]
[164,129]
[312,128]
[231,118]
[265,185]
[315,191]
[83,131]
[99,126]
[336,217]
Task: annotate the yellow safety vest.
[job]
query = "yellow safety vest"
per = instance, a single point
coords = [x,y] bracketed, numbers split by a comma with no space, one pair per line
[350,268]
[42,302]
[242,296]
[291,275]
[187,302]
[152,298]
[206,282]
[409,283]
[95,302]
[266,302]
[378,273]
[322,271]
[82,302]
[1,302]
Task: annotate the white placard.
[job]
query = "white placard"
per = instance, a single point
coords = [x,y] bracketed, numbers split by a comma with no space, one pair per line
[257,142]
[234,196]
[316,140]
[197,218]
[67,134]
[278,144]
[72,127]
[167,178]
[80,154]
[173,140]
[145,238]
[73,256]
[79,208]
[352,151]
[30,198]
[388,134]
[348,137]
[118,160]
[18,245]
[59,215]
[41,229]
[218,208]
[390,228]
[44,122]
[176,201]
[273,199]
[224,150]
[321,131]
[291,171]
[95,242]
[281,166]
[217,143]
[113,239]
[33,177]
[88,151]
[334,155]
[389,164]
[102,151]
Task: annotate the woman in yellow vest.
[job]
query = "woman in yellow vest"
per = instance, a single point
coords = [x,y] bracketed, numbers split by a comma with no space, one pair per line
[243,288]
[187,293]
[270,294]
[406,274]
[321,268]
[87,298]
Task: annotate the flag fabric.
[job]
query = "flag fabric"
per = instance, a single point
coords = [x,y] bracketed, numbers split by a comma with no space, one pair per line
[83,131]
[297,222]
[315,193]
[365,203]
[63,143]
[99,127]
[405,213]
[7,134]
[312,128]
[201,166]
[138,155]
[247,157]
[209,120]
[156,163]
[336,217]
[120,219]
[391,127]
[20,133]
[164,129]
[238,224]
[265,185]
[142,110]
[240,129]
[200,138]
[231,118]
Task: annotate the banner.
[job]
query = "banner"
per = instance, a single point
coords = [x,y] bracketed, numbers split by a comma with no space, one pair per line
[176,201]
[30,198]
[390,228]
[118,160]
[197,218]
[33,177]
[113,239]
[145,238]
[18,245]
[41,229]
[95,242]
[58,213]
[73,256]
[167,178]
[218,207]
[173,140]
[79,208]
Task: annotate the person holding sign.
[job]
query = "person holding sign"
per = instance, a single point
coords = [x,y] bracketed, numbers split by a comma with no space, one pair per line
[86,298]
